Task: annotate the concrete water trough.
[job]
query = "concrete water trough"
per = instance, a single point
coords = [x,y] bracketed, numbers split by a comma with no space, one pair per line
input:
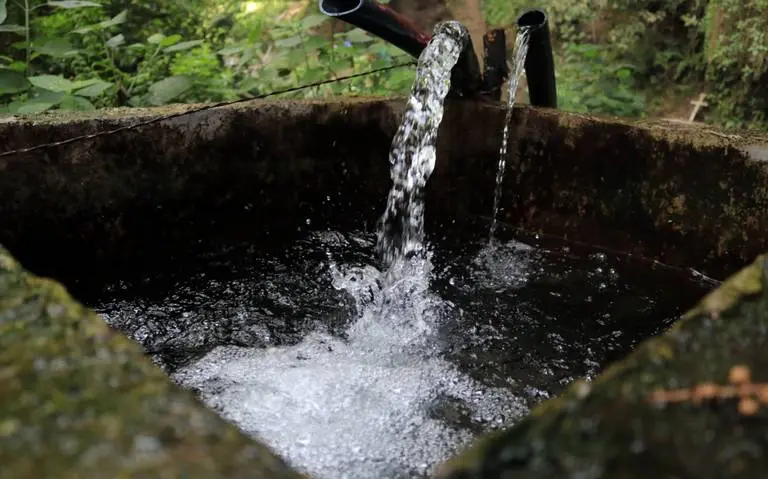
[79,399]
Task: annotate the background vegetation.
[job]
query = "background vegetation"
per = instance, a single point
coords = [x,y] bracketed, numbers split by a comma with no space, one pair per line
[618,57]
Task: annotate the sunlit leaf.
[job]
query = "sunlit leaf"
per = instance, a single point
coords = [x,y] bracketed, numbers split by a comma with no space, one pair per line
[169,88]
[12,82]
[116,41]
[3,11]
[117,19]
[156,38]
[170,40]
[356,35]
[183,46]
[52,83]
[94,90]
[72,4]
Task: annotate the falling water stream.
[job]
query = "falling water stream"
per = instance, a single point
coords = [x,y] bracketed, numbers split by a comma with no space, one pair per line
[360,406]
[521,51]
[355,366]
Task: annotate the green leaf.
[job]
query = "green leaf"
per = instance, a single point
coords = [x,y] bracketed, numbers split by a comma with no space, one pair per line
[33,106]
[76,103]
[156,38]
[288,42]
[18,66]
[169,88]
[312,21]
[315,42]
[183,46]
[116,41]
[357,35]
[52,82]
[76,85]
[94,90]
[3,11]
[116,20]
[232,50]
[42,102]
[11,28]
[12,82]
[170,40]
[58,47]
[72,4]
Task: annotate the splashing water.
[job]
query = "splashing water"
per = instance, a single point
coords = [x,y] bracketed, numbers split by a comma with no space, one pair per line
[412,157]
[364,405]
[521,51]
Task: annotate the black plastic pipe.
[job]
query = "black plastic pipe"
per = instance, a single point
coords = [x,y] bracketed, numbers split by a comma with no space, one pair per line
[539,63]
[390,26]
[379,20]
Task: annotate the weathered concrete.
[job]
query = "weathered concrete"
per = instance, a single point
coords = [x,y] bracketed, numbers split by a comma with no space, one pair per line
[139,199]
[684,195]
[692,403]
[78,400]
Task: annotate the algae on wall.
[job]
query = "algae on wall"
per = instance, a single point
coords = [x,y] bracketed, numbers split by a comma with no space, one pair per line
[79,400]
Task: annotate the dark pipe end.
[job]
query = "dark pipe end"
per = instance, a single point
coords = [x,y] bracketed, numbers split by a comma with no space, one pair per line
[337,8]
[532,19]
[539,63]
[378,20]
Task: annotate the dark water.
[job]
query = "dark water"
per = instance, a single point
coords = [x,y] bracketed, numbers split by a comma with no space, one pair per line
[266,337]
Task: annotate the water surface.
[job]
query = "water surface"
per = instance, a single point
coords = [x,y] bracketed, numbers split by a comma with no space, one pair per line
[299,347]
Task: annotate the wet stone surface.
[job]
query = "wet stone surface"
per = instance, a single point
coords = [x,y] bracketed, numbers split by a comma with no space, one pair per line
[266,338]
[78,399]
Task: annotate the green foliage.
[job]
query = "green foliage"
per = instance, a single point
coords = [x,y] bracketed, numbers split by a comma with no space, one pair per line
[737,50]
[587,83]
[720,43]
[80,55]
[611,54]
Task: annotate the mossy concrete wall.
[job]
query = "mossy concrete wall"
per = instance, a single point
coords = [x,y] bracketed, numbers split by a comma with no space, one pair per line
[79,400]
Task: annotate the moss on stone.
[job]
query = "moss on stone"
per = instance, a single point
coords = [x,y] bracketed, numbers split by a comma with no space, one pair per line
[611,429]
[79,400]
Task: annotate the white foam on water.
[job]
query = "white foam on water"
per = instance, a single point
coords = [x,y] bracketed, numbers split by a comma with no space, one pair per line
[360,407]
[504,265]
